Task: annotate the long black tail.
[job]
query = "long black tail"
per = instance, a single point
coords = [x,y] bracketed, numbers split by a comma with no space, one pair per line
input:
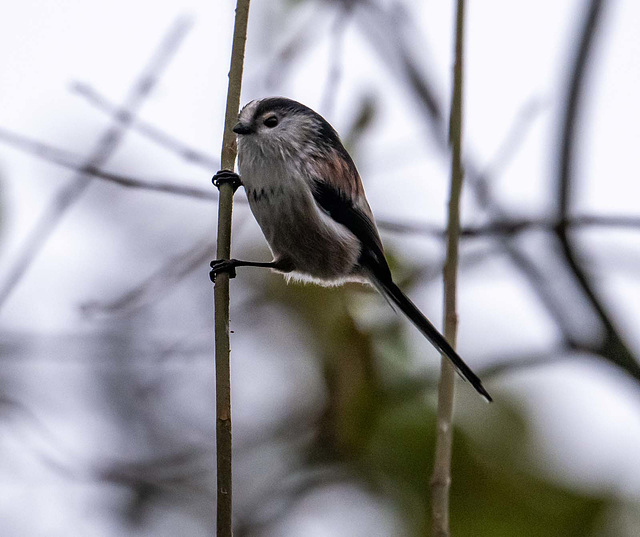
[397,297]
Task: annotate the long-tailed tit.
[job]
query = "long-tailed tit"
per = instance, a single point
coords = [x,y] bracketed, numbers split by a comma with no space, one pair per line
[306,194]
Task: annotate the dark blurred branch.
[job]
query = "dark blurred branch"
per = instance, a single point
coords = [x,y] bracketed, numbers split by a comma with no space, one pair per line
[573,103]
[416,386]
[514,363]
[387,33]
[71,161]
[375,21]
[365,113]
[613,347]
[393,48]
[507,228]
[153,133]
[105,147]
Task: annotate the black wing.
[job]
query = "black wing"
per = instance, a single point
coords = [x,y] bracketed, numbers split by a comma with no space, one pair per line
[342,210]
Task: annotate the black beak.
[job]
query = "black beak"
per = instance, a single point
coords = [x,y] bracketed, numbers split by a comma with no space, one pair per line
[240,128]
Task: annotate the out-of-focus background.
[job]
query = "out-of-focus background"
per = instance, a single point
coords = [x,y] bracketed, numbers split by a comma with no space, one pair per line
[111,120]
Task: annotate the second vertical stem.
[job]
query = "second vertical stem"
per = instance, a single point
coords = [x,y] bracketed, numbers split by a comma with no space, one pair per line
[441,480]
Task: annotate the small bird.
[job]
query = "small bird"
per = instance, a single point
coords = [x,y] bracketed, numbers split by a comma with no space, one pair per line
[306,194]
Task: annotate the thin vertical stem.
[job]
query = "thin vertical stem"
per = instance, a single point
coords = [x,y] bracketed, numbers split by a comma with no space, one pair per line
[441,480]
[221,292]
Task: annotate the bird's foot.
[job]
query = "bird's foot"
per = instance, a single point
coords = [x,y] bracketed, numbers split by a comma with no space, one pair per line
[222,265]
[226,176]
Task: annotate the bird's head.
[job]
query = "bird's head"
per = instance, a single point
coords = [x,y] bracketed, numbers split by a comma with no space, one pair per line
[277,126]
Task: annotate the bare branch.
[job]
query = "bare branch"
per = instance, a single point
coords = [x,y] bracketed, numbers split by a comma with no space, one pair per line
[278,68]
[158,284]
[335,58]
[393,49]
[441,479]
[613,346]
[374,22]
[221,290]
[152,132]
[71,161]
[511,143]
[106,145]
[506,228]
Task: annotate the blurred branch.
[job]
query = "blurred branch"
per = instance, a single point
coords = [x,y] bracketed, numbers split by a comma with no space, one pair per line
[509,147]
[158,284]
[513,363]
[335,61]
[71,161]
[515,136]
[153,133]
[441,480]
[507,228]
[286,494]
[179,466]
[277,69]
[374,22]
[387,33]
[105,147]
[365,113]
[613,347]
[513,226]
[417,385]
[572,107]
[221,289]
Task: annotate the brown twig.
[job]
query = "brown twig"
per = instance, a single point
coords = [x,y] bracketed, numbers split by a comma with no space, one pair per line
[221,292]
[441,480]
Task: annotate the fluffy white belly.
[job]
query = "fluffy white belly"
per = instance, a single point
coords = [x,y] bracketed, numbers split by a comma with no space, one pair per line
[300,233]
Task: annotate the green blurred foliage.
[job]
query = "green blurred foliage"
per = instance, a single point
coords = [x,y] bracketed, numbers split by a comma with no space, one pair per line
[385,432]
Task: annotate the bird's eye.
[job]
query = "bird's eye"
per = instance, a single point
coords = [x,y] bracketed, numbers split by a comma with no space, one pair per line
[271,121]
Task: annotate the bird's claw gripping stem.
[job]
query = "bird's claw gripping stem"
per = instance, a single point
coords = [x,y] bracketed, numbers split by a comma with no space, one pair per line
[222,265]
[226,176]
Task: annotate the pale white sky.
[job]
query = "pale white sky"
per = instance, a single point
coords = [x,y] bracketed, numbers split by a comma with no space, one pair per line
[516,52]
